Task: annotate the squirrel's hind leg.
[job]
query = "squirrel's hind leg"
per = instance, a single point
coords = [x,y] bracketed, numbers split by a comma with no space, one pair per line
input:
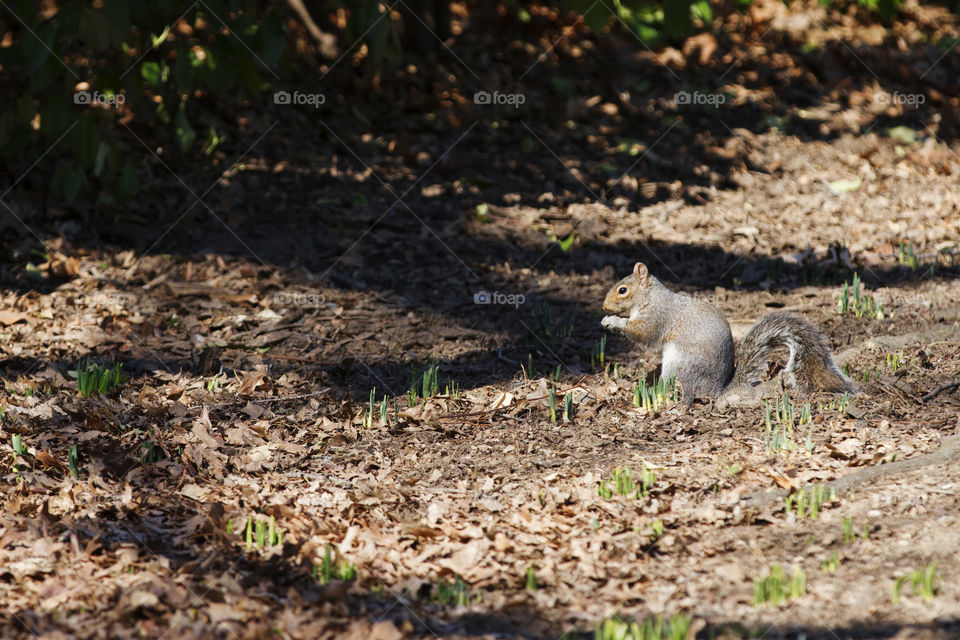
[699,377]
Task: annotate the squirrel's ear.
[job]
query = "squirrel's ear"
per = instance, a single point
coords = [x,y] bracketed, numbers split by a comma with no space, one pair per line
[640,273]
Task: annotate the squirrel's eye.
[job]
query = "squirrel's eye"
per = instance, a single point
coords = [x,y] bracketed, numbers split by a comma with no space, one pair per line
[622,291]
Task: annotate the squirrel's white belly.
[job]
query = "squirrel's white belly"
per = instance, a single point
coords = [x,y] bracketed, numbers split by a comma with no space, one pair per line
[671,360]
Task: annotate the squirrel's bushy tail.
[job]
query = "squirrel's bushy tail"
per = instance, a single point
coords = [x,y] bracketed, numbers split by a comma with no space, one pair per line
[810,367]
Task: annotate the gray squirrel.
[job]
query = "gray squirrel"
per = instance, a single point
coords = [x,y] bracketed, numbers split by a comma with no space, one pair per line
[698,347]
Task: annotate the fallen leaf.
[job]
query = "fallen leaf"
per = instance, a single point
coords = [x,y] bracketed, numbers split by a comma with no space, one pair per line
[12,317]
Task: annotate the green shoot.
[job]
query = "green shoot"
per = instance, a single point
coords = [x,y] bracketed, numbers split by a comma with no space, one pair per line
[529,373]
[555,376]
[72,461]
[831,564]
[624,484]
[423,385]
[530,581]
[808,503]
[656,530]
[848,535]
[16,441]
[259,533]
[568,406]
[328,570]
[853,300]
[895,360]
[780,421]
[840,403]
[456,592]
[922,581]
[94,379]
[150,452]
[777,587]
[658,628]
[543,326]
[553,405]
[655,396]
[907,256]
[368,414]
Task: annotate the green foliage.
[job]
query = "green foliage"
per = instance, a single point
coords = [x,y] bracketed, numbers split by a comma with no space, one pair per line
[777,587]
[372,23]
[568,406]
[259,533]
[368,414]
[896,360]
[530,580]
[907,257]
[565,244]
[853,300]
[528,370]
[94,379]
[781,421]
[656,530]
[625,484]
[924,583]
[456,592]
[848,530]
[886,9]
[72,462]
[329,570]
[831,564]
[71,75]
[16,441]
[382,408]
[649,20]
[553,404]
[545,327]
[598,356]
[840,403]
[654,396]
[658,628]
[808,504]
[150,452]
[424,383]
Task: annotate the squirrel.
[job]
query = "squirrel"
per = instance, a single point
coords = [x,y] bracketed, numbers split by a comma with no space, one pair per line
[698,346]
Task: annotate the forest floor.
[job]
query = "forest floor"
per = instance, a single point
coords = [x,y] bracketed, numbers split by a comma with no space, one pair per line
[236,483]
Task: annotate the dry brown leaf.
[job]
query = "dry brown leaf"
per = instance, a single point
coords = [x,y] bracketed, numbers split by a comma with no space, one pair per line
[195,492]
[250,382]
[12,317]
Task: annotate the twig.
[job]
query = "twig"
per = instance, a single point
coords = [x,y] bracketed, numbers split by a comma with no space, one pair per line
[939,390]
[298,396]
[326,41]
[500,356]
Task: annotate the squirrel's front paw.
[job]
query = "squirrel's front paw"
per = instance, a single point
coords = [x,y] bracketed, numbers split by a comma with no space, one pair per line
[614,322]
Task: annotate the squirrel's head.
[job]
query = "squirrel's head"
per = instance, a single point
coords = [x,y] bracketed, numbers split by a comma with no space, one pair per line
[624,296]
